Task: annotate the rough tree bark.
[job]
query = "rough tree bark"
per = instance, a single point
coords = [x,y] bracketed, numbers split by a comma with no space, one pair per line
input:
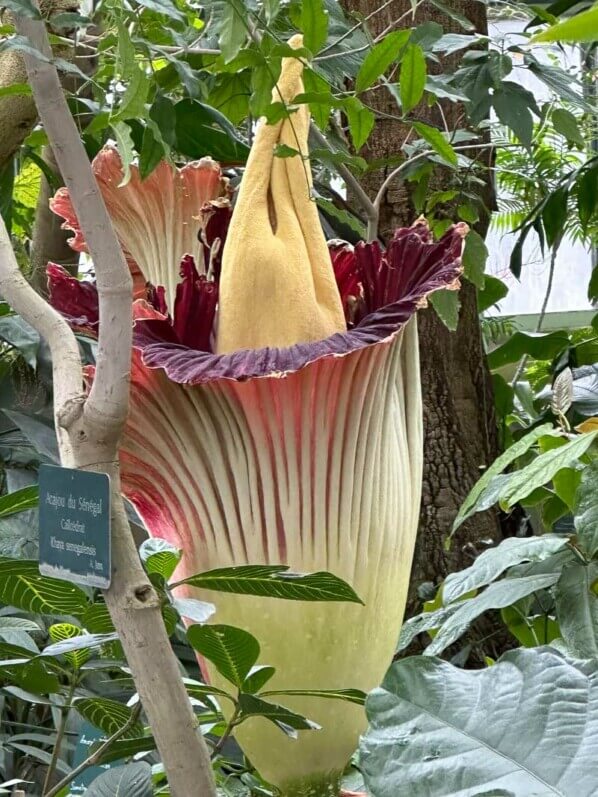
[460,429]
[89,429]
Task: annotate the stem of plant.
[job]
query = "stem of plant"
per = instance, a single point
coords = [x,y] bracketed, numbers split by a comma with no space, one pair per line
[95,757]
[232,723]
[64,714]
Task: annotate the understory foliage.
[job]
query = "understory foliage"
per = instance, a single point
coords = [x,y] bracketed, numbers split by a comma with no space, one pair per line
[177,81]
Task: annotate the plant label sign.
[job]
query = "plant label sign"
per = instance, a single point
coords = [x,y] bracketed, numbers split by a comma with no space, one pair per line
[90,735]
[74,525]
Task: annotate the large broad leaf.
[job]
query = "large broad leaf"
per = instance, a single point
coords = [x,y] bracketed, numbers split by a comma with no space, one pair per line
[493,562]
[540,346]
[132,780]
[275,581]
[586,513]
[526,726]
[202,130]
[469,506]
[159,556]
[22,586]
[380,57]
[232,650]
[108,715]
[541,469]
[426,621]
[496,596]
[577,608]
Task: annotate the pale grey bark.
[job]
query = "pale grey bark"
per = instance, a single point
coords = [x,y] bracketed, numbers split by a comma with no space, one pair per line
[89,429]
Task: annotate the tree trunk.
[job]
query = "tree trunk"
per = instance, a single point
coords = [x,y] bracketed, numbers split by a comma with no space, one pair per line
[460,429]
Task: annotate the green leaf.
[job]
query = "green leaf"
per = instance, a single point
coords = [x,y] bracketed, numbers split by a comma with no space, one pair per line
[380,57]
[274,581]
[350,695]
[496,596]
[426,621]
[437,141]
[475,255]
[166,7]
[541,469]
[66,644]
[202,130]
[436,729]
[258,677]
[285,719]
[159,556]
[587,196]
[412,80]
[492,563]
[314,24]
[493,291]
[565,123]
[448,9]
[577,609]
[446,303]
[513,112]
[233,29]
[554,215]
[22,586]
[361,121]
[539,346]
[19,501]
[126,148]
[316,85]
[162,115]
[67,632]
[565,483]
[152,152]
[199,691]
[232,650]
[122,749]
[586,513]
[530,631]
[468,508]
[107,715]
[97,619]
[131,780]
[582,27]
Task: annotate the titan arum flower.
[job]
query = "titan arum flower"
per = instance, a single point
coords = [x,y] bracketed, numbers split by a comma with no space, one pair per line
[276,415]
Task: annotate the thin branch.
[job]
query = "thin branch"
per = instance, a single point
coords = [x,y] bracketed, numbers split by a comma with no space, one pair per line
[64,714]
[371,213]
[110,391]
[66,360]
[356,27]
[95,757]
[543,309]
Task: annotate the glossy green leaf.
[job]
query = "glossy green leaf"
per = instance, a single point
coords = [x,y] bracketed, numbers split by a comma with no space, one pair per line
[285,719]
[107,715]
[554,215]
[233,28]
[565,123]
[350,695]
[586,512]
[541,469]
[582,27]
[159,556]
[446,304]
[232,651]
[437,141]
[314,24]
[166,7]
[390,49]
[438,730]
[274,581]
[496,596]
[425,621]
[509,456]
[126,148]
[493,291]
[475,255]
[577,609]
[257,678]
[540,346]
[69,633]
[202,130]
[493,562]
[22,586]
[361,121]
[513,112]
[412,80]
[152,152]
[19,501]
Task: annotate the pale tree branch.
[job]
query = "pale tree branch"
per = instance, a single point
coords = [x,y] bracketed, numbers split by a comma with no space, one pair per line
[89,429]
